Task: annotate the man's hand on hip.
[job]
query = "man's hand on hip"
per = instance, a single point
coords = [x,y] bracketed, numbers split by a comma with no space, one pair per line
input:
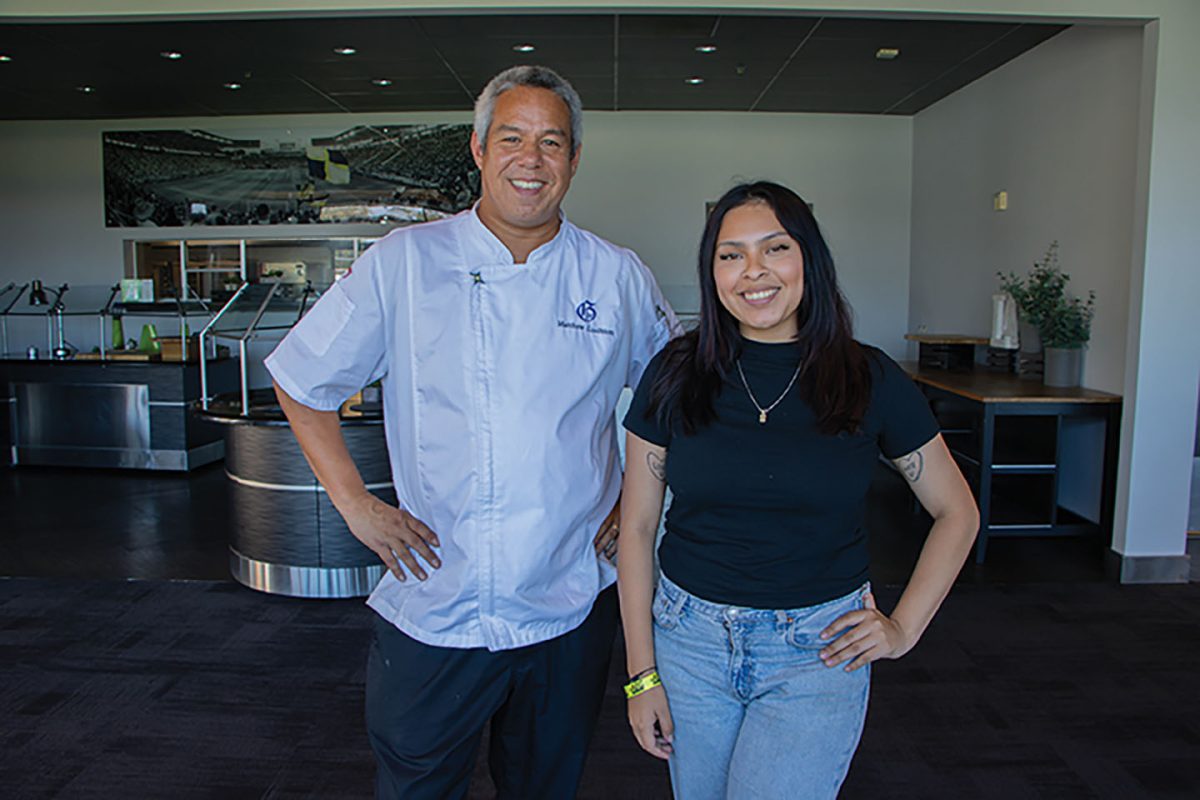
[393,534]
[606,538]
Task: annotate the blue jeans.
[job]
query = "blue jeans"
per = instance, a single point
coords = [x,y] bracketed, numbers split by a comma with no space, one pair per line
[756,712]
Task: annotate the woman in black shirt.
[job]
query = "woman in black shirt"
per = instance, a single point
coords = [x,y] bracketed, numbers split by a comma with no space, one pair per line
[749,665]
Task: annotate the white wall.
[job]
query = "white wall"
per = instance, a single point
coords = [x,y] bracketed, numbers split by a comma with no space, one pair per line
[645,178]
[1163,365]
[1056,129]
[643,181]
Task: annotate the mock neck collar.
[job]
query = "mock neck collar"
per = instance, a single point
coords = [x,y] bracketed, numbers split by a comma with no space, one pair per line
[499,252]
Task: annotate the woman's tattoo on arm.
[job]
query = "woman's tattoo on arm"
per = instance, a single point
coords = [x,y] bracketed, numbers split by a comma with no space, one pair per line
[913,465]
[658,466]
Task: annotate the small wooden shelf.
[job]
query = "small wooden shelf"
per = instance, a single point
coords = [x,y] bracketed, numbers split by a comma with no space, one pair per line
[946,338]
[948,351]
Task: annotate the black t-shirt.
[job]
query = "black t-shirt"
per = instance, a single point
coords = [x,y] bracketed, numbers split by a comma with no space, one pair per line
[770,515]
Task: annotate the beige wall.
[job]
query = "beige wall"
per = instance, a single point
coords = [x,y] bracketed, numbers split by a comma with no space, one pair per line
[645,178]
[1054,129]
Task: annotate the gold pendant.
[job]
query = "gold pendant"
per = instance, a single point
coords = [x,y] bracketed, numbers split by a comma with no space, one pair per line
[762,417]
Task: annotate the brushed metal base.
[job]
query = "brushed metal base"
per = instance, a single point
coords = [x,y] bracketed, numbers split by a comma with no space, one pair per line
[1153,569]
[119,458]
[316,582]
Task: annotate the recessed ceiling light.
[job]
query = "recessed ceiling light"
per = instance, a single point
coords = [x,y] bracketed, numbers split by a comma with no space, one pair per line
[5,58]
[381,82]
[693,81]
[706,48]
[85,89]
[171,55]
[887,53]
[345,51]
[524,48]
[231,86]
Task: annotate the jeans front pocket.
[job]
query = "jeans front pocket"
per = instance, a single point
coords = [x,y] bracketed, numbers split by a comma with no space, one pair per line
[666,609]
[805,636]
[805,624]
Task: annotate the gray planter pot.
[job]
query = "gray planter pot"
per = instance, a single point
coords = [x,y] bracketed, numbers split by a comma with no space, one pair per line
[1063,366]
[1029,336]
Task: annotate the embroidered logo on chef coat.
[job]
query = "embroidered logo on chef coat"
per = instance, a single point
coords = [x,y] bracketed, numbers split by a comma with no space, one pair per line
[586,311]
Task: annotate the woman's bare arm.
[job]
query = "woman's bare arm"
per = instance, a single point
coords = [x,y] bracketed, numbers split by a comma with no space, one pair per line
[869,634]
[641,508]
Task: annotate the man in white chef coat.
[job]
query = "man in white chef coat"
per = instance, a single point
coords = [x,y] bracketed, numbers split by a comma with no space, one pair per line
[503,337]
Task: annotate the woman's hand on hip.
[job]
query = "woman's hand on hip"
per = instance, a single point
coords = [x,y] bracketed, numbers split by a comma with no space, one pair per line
[650,718]
[869,636]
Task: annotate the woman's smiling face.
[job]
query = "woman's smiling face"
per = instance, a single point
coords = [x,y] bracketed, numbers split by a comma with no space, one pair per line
[759,273]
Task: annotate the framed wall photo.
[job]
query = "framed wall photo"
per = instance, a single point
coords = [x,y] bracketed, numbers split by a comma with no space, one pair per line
[366,173]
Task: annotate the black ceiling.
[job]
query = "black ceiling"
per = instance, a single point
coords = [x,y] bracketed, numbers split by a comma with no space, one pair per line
[626,61]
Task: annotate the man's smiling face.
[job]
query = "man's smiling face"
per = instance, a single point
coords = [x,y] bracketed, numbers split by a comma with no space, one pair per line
[526,165]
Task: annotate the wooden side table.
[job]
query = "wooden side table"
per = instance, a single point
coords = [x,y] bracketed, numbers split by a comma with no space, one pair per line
[1041,460]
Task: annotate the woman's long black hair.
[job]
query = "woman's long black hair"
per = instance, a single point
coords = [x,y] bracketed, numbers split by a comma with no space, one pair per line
[835,377]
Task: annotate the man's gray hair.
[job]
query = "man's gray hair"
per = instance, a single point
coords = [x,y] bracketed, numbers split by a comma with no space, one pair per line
[536,78]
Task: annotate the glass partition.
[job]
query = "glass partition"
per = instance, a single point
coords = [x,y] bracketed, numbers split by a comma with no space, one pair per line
[263,310]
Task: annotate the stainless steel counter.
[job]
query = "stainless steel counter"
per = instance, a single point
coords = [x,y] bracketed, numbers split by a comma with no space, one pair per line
[131,415]
[285,536]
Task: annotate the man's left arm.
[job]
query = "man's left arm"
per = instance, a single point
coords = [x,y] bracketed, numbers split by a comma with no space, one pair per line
[652,324]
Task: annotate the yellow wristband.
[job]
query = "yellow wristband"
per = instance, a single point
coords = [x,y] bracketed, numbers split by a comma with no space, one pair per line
[642,685]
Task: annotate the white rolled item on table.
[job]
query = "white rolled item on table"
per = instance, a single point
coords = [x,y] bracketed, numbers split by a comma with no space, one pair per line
[1004,322]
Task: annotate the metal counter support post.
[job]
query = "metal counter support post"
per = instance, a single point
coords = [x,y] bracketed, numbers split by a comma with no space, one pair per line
[245,376]
[204,351]
[262,309]
[182,273]
[246,337]
[203,372]
[60,338]
[4,313]
[105,314]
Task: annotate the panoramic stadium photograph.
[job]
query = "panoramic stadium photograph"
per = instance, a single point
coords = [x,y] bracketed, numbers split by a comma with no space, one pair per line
[367,173]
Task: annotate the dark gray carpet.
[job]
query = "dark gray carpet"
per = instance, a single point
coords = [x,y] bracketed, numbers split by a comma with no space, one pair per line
[154,689]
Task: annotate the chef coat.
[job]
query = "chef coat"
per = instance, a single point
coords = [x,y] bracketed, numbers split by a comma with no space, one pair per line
[500,382]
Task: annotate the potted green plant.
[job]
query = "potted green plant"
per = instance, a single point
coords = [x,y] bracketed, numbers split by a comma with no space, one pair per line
[1036,296]
[1065,333]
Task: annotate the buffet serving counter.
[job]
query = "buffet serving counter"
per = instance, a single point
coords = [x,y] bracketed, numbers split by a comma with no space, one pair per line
[125,414]
[285,535]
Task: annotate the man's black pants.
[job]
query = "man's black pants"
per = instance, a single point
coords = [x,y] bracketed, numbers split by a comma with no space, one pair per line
[427,707]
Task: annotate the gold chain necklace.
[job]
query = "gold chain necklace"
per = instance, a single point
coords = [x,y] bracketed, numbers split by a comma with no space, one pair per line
[762,412]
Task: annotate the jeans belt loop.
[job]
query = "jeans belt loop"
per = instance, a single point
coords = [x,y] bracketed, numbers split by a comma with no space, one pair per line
[678,602]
